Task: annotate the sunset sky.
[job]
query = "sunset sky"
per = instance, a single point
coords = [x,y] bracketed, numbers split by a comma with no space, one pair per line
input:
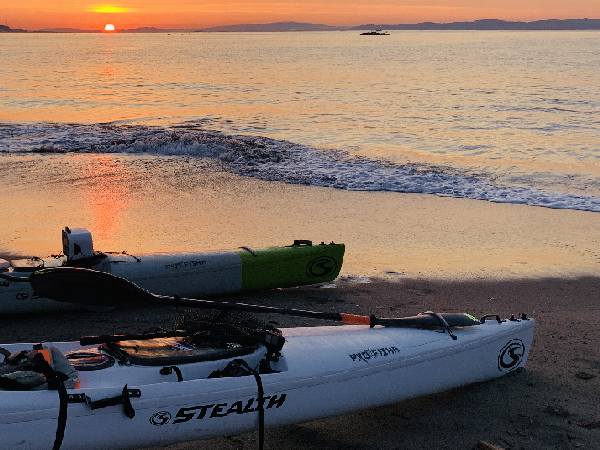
[39,14]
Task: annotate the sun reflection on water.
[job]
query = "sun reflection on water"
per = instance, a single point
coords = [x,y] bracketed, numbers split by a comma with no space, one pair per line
[106,191]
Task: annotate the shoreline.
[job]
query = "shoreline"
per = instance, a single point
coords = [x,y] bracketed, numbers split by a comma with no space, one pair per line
[547,405]
[131,205]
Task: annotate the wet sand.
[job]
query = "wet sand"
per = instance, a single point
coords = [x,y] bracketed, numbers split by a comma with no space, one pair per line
[146,203]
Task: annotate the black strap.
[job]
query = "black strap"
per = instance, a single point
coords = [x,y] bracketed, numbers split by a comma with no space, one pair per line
[178,372]
[261,410]
[4,353]
[442,321]
[62,416]
[127,406]
[56,380]
[249,250]
[123,399]
[260,399]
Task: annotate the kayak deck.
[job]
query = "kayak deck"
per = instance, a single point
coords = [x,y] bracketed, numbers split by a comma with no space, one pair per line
[322,371]
[308,351]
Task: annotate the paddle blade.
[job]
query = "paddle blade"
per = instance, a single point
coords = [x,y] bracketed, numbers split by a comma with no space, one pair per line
[429,319]
[86,287]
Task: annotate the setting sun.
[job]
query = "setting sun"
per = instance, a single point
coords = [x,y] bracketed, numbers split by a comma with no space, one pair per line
[109,27]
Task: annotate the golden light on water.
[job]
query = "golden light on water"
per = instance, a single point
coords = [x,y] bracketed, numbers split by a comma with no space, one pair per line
[109,27]
[107,193]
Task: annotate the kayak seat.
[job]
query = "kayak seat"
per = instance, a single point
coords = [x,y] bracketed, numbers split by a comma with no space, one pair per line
[172,351]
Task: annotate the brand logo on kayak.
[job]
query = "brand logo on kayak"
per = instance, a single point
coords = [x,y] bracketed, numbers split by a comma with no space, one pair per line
[511,355]
[223,409]
[321,267]
[160,418]
[183,264]
[373,353]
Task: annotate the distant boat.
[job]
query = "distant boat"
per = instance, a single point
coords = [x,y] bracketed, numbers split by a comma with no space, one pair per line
[378,32]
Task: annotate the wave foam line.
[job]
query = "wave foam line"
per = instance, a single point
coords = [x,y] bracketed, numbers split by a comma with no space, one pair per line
[276,160]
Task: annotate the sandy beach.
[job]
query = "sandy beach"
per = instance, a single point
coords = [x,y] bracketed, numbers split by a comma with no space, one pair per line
[405,254]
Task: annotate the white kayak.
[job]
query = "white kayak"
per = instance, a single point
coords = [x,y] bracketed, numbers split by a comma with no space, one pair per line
[154,392]
[188,274]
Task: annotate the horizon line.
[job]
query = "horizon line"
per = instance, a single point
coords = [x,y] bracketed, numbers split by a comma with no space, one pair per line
[325,27]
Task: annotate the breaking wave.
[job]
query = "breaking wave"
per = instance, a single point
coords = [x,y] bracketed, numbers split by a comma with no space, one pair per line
[277,160]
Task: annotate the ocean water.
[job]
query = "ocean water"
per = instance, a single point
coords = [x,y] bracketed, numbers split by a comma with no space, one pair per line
[510,117]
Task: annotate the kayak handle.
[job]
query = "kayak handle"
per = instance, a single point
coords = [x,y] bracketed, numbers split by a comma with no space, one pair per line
[122,399]
[491,316]
[300,243]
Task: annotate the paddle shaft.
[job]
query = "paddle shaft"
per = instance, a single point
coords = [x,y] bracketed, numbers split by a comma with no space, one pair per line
[425,319]
[226,306]
[90,287]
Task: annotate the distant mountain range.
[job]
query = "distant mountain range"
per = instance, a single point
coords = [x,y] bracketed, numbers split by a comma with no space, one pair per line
[495,24]
[486,24]
[277,26]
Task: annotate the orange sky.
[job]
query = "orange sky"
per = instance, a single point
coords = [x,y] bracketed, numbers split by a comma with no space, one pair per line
[39,14]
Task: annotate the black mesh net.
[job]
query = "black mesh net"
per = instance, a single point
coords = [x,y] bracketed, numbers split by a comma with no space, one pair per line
[224,328]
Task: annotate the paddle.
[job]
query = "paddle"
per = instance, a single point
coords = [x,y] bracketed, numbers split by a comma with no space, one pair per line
[90,287]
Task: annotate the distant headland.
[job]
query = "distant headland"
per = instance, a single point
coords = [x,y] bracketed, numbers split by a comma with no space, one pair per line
[485,24]
[6,29]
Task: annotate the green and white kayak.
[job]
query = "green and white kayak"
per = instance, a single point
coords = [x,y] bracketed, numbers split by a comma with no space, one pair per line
[187,274]
[223,272]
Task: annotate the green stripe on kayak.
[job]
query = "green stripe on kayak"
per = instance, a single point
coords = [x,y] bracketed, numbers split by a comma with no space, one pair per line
[296,265]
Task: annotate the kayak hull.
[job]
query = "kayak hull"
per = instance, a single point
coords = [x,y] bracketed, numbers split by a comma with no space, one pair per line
[323,371]
[190,274]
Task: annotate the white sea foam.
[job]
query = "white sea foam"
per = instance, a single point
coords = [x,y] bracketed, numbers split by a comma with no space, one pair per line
[278,160]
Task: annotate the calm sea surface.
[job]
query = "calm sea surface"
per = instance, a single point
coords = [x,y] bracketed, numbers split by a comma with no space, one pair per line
[499,116]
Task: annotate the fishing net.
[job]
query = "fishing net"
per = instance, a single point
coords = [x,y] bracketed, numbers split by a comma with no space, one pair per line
[223,328]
